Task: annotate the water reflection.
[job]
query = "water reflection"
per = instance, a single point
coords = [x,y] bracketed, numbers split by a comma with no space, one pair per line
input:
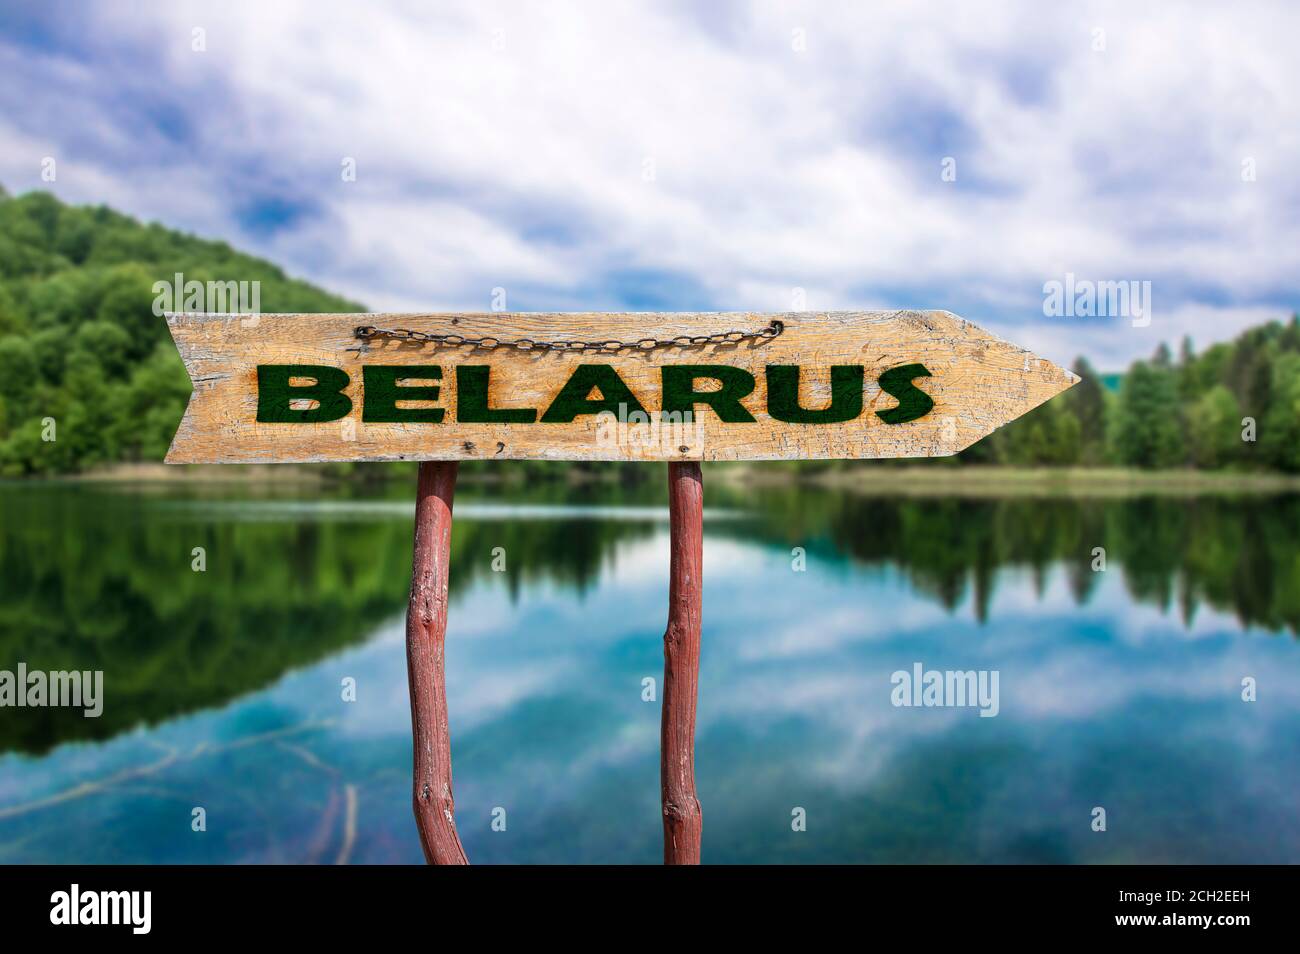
[1119,689]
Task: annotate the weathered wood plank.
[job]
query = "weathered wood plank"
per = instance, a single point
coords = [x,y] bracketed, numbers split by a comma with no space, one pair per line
[977,382]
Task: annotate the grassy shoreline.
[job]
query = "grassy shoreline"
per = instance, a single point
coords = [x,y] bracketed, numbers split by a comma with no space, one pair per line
[993,481]
[877,480]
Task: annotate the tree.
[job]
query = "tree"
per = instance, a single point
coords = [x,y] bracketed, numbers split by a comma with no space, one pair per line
[1279,427]
[1148,430]
[1249,370]
[108,344]
[1086,401]
[18,376]
[1214,428]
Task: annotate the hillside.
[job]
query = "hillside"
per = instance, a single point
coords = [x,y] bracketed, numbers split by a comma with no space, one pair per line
[80,343]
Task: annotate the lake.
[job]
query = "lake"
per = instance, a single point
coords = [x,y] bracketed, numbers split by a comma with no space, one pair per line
[225,687]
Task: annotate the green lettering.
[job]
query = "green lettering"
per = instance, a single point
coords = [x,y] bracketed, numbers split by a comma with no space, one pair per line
[783,395]
[472,400]
[381,392]
[680,394]
[912,401]
[575,397]
[274,392]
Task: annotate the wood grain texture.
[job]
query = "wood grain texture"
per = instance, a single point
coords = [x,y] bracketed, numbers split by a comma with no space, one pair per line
[426,629]
[683,817]
[978,383]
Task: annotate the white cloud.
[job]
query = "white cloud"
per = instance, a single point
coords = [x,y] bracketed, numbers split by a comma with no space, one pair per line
[505,145]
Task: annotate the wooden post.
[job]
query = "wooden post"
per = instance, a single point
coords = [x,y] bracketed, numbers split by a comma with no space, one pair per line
[683,819]
[426,627]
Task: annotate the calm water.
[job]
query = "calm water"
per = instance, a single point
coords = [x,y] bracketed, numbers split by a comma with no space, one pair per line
[1119,689]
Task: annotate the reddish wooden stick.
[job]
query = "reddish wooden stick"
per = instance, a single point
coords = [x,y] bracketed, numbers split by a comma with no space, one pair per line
[683,819]
[426,626]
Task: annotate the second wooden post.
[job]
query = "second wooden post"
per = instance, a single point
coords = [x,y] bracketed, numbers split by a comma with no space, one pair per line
[683,819]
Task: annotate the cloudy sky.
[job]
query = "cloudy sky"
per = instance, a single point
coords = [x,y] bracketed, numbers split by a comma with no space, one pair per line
[695,155]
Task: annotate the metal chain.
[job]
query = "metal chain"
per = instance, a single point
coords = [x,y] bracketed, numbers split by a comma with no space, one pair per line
[369,332]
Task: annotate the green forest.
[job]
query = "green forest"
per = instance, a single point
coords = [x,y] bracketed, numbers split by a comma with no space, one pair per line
[1233,406]
[79,340]
[80,346]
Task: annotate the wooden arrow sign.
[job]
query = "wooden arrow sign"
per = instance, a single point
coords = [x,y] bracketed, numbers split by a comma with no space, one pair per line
[644,386]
